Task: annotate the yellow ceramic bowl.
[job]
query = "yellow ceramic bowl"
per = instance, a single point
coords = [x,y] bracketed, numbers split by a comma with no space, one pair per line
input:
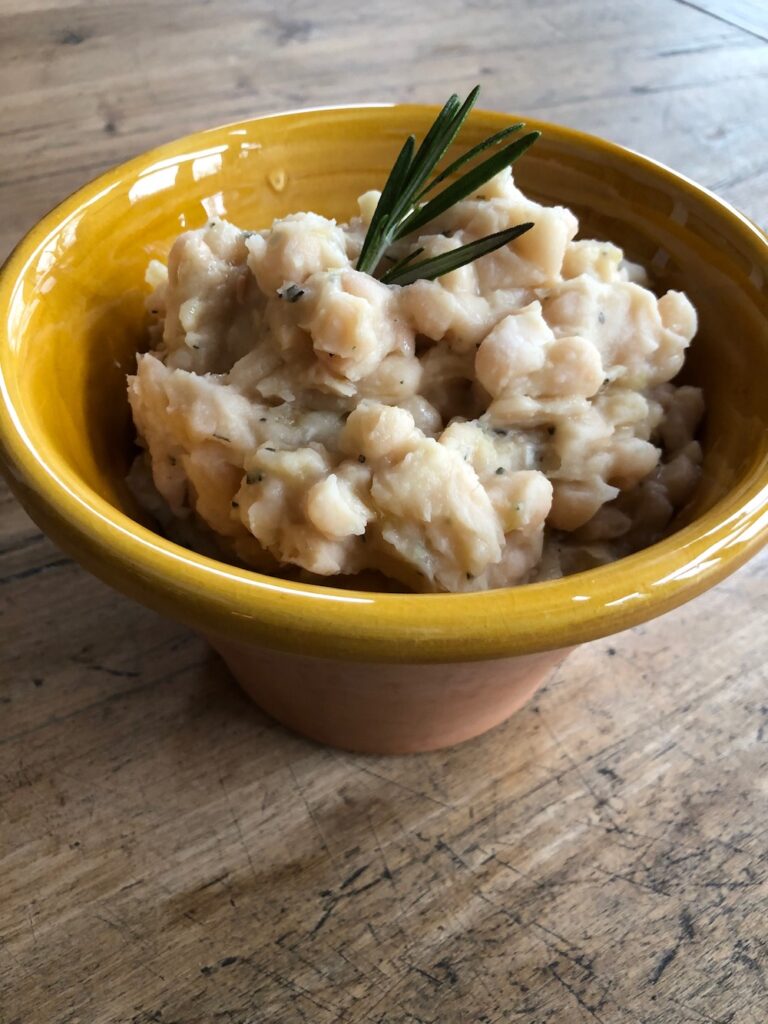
[366,670]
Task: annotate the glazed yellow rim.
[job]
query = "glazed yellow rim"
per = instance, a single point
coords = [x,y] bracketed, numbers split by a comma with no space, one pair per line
[325,621]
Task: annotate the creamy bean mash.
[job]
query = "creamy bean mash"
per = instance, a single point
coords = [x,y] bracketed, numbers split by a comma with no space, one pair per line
[510,421]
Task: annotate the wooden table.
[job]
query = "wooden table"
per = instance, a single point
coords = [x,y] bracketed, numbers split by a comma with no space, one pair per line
[167,853]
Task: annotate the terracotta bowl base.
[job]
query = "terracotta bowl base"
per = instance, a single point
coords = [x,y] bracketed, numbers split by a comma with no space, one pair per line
[379,708]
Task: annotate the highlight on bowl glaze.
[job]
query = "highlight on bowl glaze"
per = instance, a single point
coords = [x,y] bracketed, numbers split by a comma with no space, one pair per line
[72,316]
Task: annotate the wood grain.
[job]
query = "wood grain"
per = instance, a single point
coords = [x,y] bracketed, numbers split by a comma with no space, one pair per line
[167,854]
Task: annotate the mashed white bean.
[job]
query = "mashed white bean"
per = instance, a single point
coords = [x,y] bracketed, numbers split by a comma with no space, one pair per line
[513,420]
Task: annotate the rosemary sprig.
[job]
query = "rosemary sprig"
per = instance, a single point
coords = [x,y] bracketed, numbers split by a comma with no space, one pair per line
[405,272]
[400,212]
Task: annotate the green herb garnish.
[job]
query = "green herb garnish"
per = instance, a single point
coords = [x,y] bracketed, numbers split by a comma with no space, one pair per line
[436,266]
[401,210]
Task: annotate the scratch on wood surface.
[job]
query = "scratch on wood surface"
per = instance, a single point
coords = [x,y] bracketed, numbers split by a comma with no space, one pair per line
[389,875]
[367,770]
[236,822]
[313,818]
[31,919]
[665,960]
[590,1010]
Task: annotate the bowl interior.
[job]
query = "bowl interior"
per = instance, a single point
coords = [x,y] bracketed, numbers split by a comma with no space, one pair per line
[76,314]
[80,316]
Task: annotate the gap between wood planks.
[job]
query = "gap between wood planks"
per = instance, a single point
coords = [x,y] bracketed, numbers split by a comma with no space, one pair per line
[750,16]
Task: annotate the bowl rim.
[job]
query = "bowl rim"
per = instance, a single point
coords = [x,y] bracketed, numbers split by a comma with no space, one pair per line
[245,605]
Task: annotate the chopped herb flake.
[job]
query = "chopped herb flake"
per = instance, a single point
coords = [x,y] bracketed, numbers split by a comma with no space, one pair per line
[499,471]
[291,294]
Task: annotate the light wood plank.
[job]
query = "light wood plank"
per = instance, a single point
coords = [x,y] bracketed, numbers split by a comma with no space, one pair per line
[168,854]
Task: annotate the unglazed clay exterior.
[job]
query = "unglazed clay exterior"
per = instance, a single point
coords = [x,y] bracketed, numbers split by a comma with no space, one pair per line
[380,708]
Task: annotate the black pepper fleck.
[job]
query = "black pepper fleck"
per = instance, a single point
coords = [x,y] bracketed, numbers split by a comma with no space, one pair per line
[361,459]
[292,293]
[499,471]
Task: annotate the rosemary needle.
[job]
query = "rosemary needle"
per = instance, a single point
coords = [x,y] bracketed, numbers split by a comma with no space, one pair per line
[405,272]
